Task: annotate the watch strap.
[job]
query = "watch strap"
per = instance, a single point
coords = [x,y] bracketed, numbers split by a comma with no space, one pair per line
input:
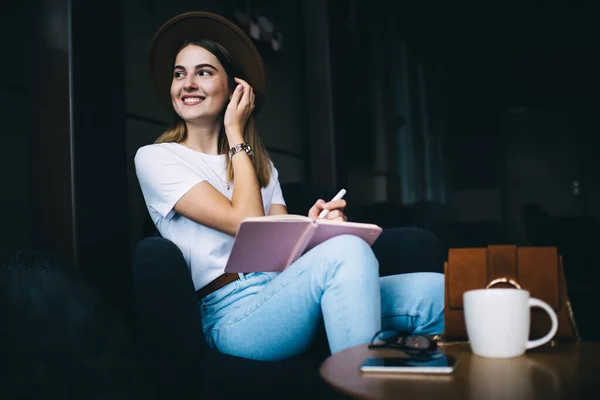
[239,147]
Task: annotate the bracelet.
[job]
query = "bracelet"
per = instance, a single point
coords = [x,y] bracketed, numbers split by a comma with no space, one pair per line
[239,147]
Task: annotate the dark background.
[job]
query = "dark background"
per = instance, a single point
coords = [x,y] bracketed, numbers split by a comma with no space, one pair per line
[512,91]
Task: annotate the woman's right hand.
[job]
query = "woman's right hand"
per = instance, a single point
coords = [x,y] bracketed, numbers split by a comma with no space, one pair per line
[238,111]
[335,207]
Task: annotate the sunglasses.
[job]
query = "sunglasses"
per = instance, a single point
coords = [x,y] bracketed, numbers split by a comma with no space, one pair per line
[413,345]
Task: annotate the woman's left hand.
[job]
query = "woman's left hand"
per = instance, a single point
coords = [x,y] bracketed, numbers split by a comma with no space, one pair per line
[335,208]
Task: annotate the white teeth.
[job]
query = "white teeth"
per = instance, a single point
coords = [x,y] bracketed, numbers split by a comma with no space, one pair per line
[191,100]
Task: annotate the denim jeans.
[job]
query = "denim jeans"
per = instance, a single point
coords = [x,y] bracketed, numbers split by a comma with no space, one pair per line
[273,316]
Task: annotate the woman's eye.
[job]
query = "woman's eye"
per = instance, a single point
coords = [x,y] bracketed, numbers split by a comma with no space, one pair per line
[178,74]
[204,72]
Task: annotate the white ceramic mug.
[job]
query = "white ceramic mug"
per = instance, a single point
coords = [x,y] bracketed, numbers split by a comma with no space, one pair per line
[498,322]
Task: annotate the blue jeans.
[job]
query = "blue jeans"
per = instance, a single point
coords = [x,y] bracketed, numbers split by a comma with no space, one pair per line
[273,316]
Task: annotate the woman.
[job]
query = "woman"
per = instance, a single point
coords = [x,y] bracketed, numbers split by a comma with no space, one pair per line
[209,171]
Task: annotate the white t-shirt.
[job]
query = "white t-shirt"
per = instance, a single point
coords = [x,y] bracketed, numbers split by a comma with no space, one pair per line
[166,172]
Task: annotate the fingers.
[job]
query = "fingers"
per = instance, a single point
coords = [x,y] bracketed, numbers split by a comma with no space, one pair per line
[234,100]
[316,209]
[248,93]
[336,204]
[240,106]
[335,208]
[237,94]
[336,215]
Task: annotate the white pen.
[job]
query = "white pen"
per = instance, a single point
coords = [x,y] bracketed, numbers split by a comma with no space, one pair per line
[338,196]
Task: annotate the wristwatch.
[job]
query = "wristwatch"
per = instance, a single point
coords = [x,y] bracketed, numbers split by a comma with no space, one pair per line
[239,147]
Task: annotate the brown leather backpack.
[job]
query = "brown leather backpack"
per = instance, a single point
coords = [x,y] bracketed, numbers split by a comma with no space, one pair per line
[538,270]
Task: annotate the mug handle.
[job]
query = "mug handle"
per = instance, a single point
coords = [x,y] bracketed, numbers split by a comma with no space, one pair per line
[538,342]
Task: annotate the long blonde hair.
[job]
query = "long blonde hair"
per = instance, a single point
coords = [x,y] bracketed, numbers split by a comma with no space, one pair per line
[177,132]
[262,162]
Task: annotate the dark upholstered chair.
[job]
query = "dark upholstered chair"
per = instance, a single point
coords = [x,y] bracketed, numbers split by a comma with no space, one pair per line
[58,339]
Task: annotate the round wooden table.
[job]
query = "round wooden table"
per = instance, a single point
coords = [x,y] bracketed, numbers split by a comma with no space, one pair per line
[567,371]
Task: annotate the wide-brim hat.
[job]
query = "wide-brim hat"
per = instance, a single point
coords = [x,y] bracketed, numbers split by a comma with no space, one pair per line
[169,38]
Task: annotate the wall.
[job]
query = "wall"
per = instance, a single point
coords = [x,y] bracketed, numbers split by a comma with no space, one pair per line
[389,120]
[473,205]
[371,167]
[367,72]
[15,70]
[280,123]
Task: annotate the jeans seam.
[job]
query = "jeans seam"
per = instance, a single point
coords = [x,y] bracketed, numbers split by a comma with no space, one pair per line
[332,271]
[412,315]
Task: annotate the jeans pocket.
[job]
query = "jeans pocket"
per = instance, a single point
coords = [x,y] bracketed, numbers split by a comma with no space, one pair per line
[213,306]
[219,294]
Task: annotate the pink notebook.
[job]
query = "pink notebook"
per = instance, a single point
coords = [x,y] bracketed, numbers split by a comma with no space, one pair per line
[272,243]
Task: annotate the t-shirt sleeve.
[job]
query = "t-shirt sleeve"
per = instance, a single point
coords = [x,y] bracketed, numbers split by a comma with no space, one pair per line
[277,193]
[164,178]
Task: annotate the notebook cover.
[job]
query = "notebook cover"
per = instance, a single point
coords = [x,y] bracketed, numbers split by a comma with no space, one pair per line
[266,246]
[328,229]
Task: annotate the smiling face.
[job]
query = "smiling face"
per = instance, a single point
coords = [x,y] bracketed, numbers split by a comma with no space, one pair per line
[199,90]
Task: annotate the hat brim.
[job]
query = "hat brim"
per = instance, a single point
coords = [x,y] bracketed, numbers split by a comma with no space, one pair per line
[199,24]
